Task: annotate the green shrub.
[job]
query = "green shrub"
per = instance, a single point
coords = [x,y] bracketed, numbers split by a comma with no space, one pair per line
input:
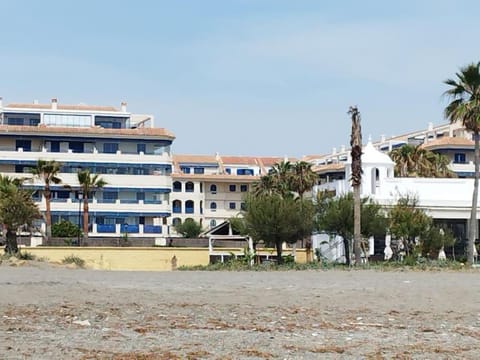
[65,229]
[73,259]
[25,256]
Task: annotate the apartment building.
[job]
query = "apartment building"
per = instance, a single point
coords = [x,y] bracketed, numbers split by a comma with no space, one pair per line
[133,157]
[211,189]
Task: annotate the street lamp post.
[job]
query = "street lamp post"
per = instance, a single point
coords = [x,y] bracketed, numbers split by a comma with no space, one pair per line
[80,198]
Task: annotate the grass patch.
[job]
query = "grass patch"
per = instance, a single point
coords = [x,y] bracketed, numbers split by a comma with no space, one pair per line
[72,259]
[25,255]
[241,265]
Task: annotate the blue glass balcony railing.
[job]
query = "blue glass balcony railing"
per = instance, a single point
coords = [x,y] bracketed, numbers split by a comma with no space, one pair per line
[107,228]
[152,229]
[129,229]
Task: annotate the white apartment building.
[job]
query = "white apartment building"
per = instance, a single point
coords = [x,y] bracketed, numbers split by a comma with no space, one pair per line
[211,189]
[130,155]
[447,200]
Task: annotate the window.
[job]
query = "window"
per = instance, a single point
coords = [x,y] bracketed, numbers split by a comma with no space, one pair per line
[26,145]
[189,187]
[232,188]
[55,146]
[185,169]
[231,205]
[33,122]
[141,148]
[459,158]
[67,120]
[244,172]
[243,188]
[176,221]
[213,206]
[140,196]
[110,195]
[76,147]
[177,206]
[213,189]
[110,148]
[213,223]
[243,206]
[189,206]
[15,121]
[177,186]
[228,171]
[198,170]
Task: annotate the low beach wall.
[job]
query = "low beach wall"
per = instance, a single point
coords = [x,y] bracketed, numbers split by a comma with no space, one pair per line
[137,258]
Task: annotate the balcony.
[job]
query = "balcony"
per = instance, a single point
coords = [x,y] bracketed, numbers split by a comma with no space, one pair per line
[107,228]
[129,229]
[152,229]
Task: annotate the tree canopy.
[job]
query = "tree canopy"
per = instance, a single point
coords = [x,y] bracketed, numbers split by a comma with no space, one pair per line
[17,209]
[335,216]
[276,219]
[189,228]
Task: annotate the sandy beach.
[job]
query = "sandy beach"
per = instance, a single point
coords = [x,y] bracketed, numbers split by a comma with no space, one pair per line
[59,313]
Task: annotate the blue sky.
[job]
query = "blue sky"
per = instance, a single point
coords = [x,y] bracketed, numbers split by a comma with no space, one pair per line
[244,77]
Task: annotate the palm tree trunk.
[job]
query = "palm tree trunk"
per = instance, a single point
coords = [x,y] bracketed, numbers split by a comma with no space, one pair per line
[472,230]
[85,218]
[48,216]
[357,235]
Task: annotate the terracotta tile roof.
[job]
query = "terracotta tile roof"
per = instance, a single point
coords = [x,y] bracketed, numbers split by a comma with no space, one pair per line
[81,107]
[272,160]
[88,131]
[336,167]
[215,177]
[239,160]
[181,158]
[448,142]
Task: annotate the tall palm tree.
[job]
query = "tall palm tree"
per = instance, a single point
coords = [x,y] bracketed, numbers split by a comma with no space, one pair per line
[356,153]
[88,184]
[265,186]
[282,173]
[464,93]
[303,177]
[47,171]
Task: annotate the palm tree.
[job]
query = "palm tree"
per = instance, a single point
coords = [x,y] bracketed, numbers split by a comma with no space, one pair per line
[464,93]
[303,178]
[88,183]
[17,208]
[356,153]
[266,185]
[47,171]
[282,174]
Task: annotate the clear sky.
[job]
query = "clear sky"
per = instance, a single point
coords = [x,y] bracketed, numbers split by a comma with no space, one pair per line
[244,77]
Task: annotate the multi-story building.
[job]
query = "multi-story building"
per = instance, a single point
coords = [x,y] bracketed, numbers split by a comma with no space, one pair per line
[211,189]
[130,155]
[447,200]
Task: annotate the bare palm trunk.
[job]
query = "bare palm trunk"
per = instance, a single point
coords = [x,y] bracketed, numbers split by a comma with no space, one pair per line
[356,153]
[357,235]
[48,216]
[85,219]
[472,230]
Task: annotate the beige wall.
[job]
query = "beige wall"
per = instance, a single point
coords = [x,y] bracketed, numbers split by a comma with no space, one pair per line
[141,259]
[107,258]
